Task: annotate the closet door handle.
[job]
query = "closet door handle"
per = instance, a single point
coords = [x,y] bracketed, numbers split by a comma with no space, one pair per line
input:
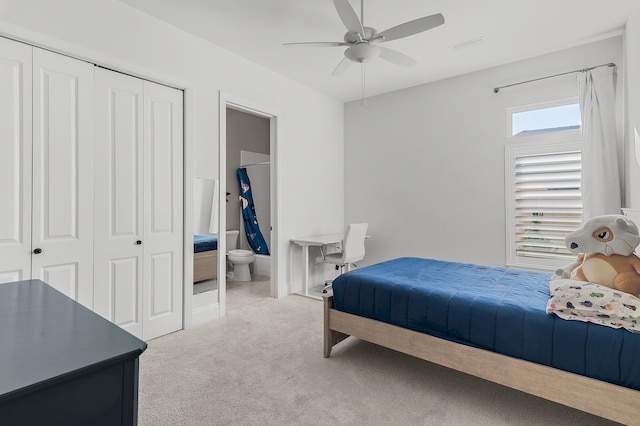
[37,251]
[139,242]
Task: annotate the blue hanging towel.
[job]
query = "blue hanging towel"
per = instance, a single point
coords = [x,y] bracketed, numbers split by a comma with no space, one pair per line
[251,227]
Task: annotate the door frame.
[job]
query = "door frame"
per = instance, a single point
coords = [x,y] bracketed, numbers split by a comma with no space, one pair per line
[249,107]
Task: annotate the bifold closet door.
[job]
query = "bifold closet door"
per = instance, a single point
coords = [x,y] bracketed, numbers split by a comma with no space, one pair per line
[119,203]
[15,161]
[62,203]
[46,169]
[163,206]
[139,202]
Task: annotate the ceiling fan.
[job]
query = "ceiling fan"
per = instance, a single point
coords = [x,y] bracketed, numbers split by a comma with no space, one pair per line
[363,42]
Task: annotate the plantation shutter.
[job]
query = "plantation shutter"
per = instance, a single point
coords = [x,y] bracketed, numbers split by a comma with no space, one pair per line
[548,202]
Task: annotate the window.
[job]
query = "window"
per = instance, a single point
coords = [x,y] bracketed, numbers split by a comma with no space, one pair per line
[545,120]
[543,174]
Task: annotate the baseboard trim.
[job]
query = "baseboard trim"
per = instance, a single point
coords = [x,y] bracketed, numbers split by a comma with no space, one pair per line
[205,314]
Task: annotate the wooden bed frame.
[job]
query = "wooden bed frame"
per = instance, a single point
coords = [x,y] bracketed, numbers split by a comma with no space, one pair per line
[205,265]
[603,399]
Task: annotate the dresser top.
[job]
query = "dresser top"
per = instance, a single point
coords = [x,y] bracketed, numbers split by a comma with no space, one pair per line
[46,336]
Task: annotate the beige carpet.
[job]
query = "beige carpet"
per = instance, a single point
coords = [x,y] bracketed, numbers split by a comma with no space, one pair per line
[262,365]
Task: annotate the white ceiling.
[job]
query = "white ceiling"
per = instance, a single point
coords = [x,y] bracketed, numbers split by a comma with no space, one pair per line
[510,30]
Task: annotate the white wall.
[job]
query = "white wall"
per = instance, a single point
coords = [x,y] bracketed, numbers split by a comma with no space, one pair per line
[425,165]
[310,124]
[632,118]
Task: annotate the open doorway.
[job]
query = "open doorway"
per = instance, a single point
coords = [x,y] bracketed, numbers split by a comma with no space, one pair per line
[247,160]
[248,181]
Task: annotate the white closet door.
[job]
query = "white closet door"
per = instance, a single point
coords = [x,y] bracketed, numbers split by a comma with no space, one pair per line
[63,174]
[119,200]
[163,204]
[15,161]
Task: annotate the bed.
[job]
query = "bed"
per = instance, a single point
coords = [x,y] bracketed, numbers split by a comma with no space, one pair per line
[491,323]
[205,257]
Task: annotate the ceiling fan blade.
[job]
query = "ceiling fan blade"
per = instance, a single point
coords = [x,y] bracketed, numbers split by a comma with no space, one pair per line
[342,67]
[396,57]
[412,27]
[317,44]
[348,16]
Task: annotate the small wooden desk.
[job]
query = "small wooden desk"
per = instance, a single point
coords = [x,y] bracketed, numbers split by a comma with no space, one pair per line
[61,363]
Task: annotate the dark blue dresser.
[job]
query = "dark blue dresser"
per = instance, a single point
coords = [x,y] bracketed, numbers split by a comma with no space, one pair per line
[61,363]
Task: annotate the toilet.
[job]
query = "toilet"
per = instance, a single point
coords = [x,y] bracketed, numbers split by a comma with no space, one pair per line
[240,259]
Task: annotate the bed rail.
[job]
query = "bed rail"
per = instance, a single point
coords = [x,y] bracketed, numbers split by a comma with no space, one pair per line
[593,396]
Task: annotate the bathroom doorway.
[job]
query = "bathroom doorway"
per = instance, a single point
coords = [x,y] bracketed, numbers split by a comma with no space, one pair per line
[248,147]
[249,139]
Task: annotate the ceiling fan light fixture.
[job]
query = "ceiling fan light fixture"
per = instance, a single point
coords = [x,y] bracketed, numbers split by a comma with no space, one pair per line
[362,52]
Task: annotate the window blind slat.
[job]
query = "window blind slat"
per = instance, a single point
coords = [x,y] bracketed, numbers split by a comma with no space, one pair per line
[563,157]
[548,202]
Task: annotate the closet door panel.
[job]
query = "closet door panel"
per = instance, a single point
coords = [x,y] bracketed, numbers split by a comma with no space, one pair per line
[63,174]
[62,277]
[124,279]
[15,161]
[163,198]
[161,295]
[119,175]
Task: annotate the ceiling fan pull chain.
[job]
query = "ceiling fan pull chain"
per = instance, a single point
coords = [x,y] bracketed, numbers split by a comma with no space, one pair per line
[363,101]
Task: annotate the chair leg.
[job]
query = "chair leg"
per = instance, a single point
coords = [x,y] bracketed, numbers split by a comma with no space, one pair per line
[329,283]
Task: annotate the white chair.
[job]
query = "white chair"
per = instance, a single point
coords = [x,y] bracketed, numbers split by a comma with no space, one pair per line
[351,252]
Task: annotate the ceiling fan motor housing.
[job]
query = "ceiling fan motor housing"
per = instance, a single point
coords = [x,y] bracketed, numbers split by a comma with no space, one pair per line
[351,37]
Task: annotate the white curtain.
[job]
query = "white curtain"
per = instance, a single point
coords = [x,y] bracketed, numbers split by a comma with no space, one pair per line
[214,220]
[600,171]
[205,206]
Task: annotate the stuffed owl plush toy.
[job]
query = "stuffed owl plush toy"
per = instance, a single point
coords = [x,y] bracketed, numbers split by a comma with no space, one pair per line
[605,246]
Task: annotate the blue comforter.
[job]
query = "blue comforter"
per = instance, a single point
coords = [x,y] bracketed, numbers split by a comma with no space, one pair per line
[497,309]
[205,243]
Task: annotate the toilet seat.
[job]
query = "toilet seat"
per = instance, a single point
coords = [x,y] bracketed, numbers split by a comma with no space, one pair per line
[240,253]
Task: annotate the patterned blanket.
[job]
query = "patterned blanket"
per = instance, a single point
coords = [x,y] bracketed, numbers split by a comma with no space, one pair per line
[589,302]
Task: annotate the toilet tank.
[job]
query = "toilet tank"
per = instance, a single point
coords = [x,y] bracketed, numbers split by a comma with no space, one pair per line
[232,239]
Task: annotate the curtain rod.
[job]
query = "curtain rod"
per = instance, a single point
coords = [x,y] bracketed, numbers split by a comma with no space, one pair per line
[497,89]
[263,163]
